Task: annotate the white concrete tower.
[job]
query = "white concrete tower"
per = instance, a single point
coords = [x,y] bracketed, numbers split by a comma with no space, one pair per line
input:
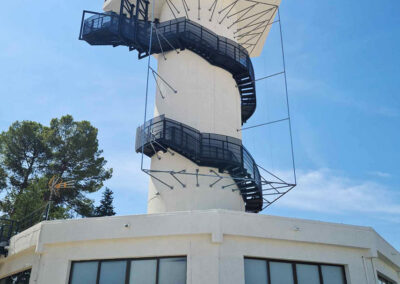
[205,92]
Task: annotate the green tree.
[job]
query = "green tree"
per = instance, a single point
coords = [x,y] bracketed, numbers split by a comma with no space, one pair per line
[31,153]
[3,178]
[23,154]
[106,207]
[76,156]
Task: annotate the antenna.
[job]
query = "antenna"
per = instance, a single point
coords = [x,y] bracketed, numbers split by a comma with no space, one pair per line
[56,184]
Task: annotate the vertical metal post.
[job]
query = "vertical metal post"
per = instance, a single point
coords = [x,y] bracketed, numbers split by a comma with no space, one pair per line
[147,80]
[121,12]
[82,25]
[287,97]
[47,211]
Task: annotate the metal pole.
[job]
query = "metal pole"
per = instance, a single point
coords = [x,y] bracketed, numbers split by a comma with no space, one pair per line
[147,79]
[287,98]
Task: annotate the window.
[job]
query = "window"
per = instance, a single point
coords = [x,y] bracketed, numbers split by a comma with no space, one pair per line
[384,280]
[172,271]
[265,271]
[307,274]
[112,272]
[163,270]
[281,272]
[18,278]
[255,271]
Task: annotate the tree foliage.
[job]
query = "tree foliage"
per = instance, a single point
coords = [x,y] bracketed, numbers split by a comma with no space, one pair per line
[31,153]
[106,207]
[3,178]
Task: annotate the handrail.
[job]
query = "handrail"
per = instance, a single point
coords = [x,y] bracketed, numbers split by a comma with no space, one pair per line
[205,149]
[113,29]
[10,227]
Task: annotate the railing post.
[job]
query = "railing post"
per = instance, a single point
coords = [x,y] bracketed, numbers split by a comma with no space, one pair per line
[16,224]
[200,149]
[164,129]
[241,156]
[182,135]
[254,171]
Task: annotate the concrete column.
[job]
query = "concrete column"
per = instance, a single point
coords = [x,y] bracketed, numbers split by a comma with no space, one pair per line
[207,100]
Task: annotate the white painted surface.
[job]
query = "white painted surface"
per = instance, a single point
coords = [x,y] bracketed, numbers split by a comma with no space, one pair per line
[215,241]
[207,97]
[207,100]
[191,197]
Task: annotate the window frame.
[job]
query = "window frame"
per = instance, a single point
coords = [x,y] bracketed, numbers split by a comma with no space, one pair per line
[293,264]
[382,277]
[18,273]
[128,266]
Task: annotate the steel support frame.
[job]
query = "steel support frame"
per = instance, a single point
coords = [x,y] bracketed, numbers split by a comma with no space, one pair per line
[279,188]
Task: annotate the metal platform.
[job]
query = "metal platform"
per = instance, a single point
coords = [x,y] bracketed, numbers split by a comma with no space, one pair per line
[205,149]
[115,30]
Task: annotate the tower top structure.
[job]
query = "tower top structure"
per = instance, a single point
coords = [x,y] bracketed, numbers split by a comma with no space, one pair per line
[205,92]
[249,20]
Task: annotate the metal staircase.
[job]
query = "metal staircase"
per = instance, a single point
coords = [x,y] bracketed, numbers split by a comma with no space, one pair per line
[225,153]
[181,33]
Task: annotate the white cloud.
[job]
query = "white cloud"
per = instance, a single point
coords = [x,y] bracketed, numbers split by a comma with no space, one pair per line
[380,174]
[325,191]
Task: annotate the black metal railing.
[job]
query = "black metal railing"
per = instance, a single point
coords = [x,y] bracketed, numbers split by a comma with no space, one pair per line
[9,227]
[205,149]
[180,33]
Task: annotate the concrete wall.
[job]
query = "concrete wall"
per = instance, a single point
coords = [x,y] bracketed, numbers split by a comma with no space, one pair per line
[214,242]
[163,199]
[207,100]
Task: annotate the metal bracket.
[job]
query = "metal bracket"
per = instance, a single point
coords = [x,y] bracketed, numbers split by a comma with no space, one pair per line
[197,174]
[180,172]
[217,175]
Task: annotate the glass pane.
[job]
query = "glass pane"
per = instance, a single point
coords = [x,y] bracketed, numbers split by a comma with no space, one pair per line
[172,271]
[307,274]
[112,272]
[84,272]
[143,271]
[255,271]
[382,280]
[20,278]
[332,274]
[281,273]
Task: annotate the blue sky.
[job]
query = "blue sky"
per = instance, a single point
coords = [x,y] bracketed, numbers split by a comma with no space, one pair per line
[343,67]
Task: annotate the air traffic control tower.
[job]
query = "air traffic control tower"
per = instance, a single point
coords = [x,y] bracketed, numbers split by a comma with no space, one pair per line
[205,93]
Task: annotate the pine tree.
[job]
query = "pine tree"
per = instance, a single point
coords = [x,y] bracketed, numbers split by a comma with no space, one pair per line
[106,207]
[31,153]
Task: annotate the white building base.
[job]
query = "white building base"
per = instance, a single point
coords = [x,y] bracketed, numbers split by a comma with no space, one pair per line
[215,243]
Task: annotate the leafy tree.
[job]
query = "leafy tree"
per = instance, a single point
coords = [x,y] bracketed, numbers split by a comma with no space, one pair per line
[31,153]
[23,151]
[23,154]
[3,178]
[106,207]
[76,156]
